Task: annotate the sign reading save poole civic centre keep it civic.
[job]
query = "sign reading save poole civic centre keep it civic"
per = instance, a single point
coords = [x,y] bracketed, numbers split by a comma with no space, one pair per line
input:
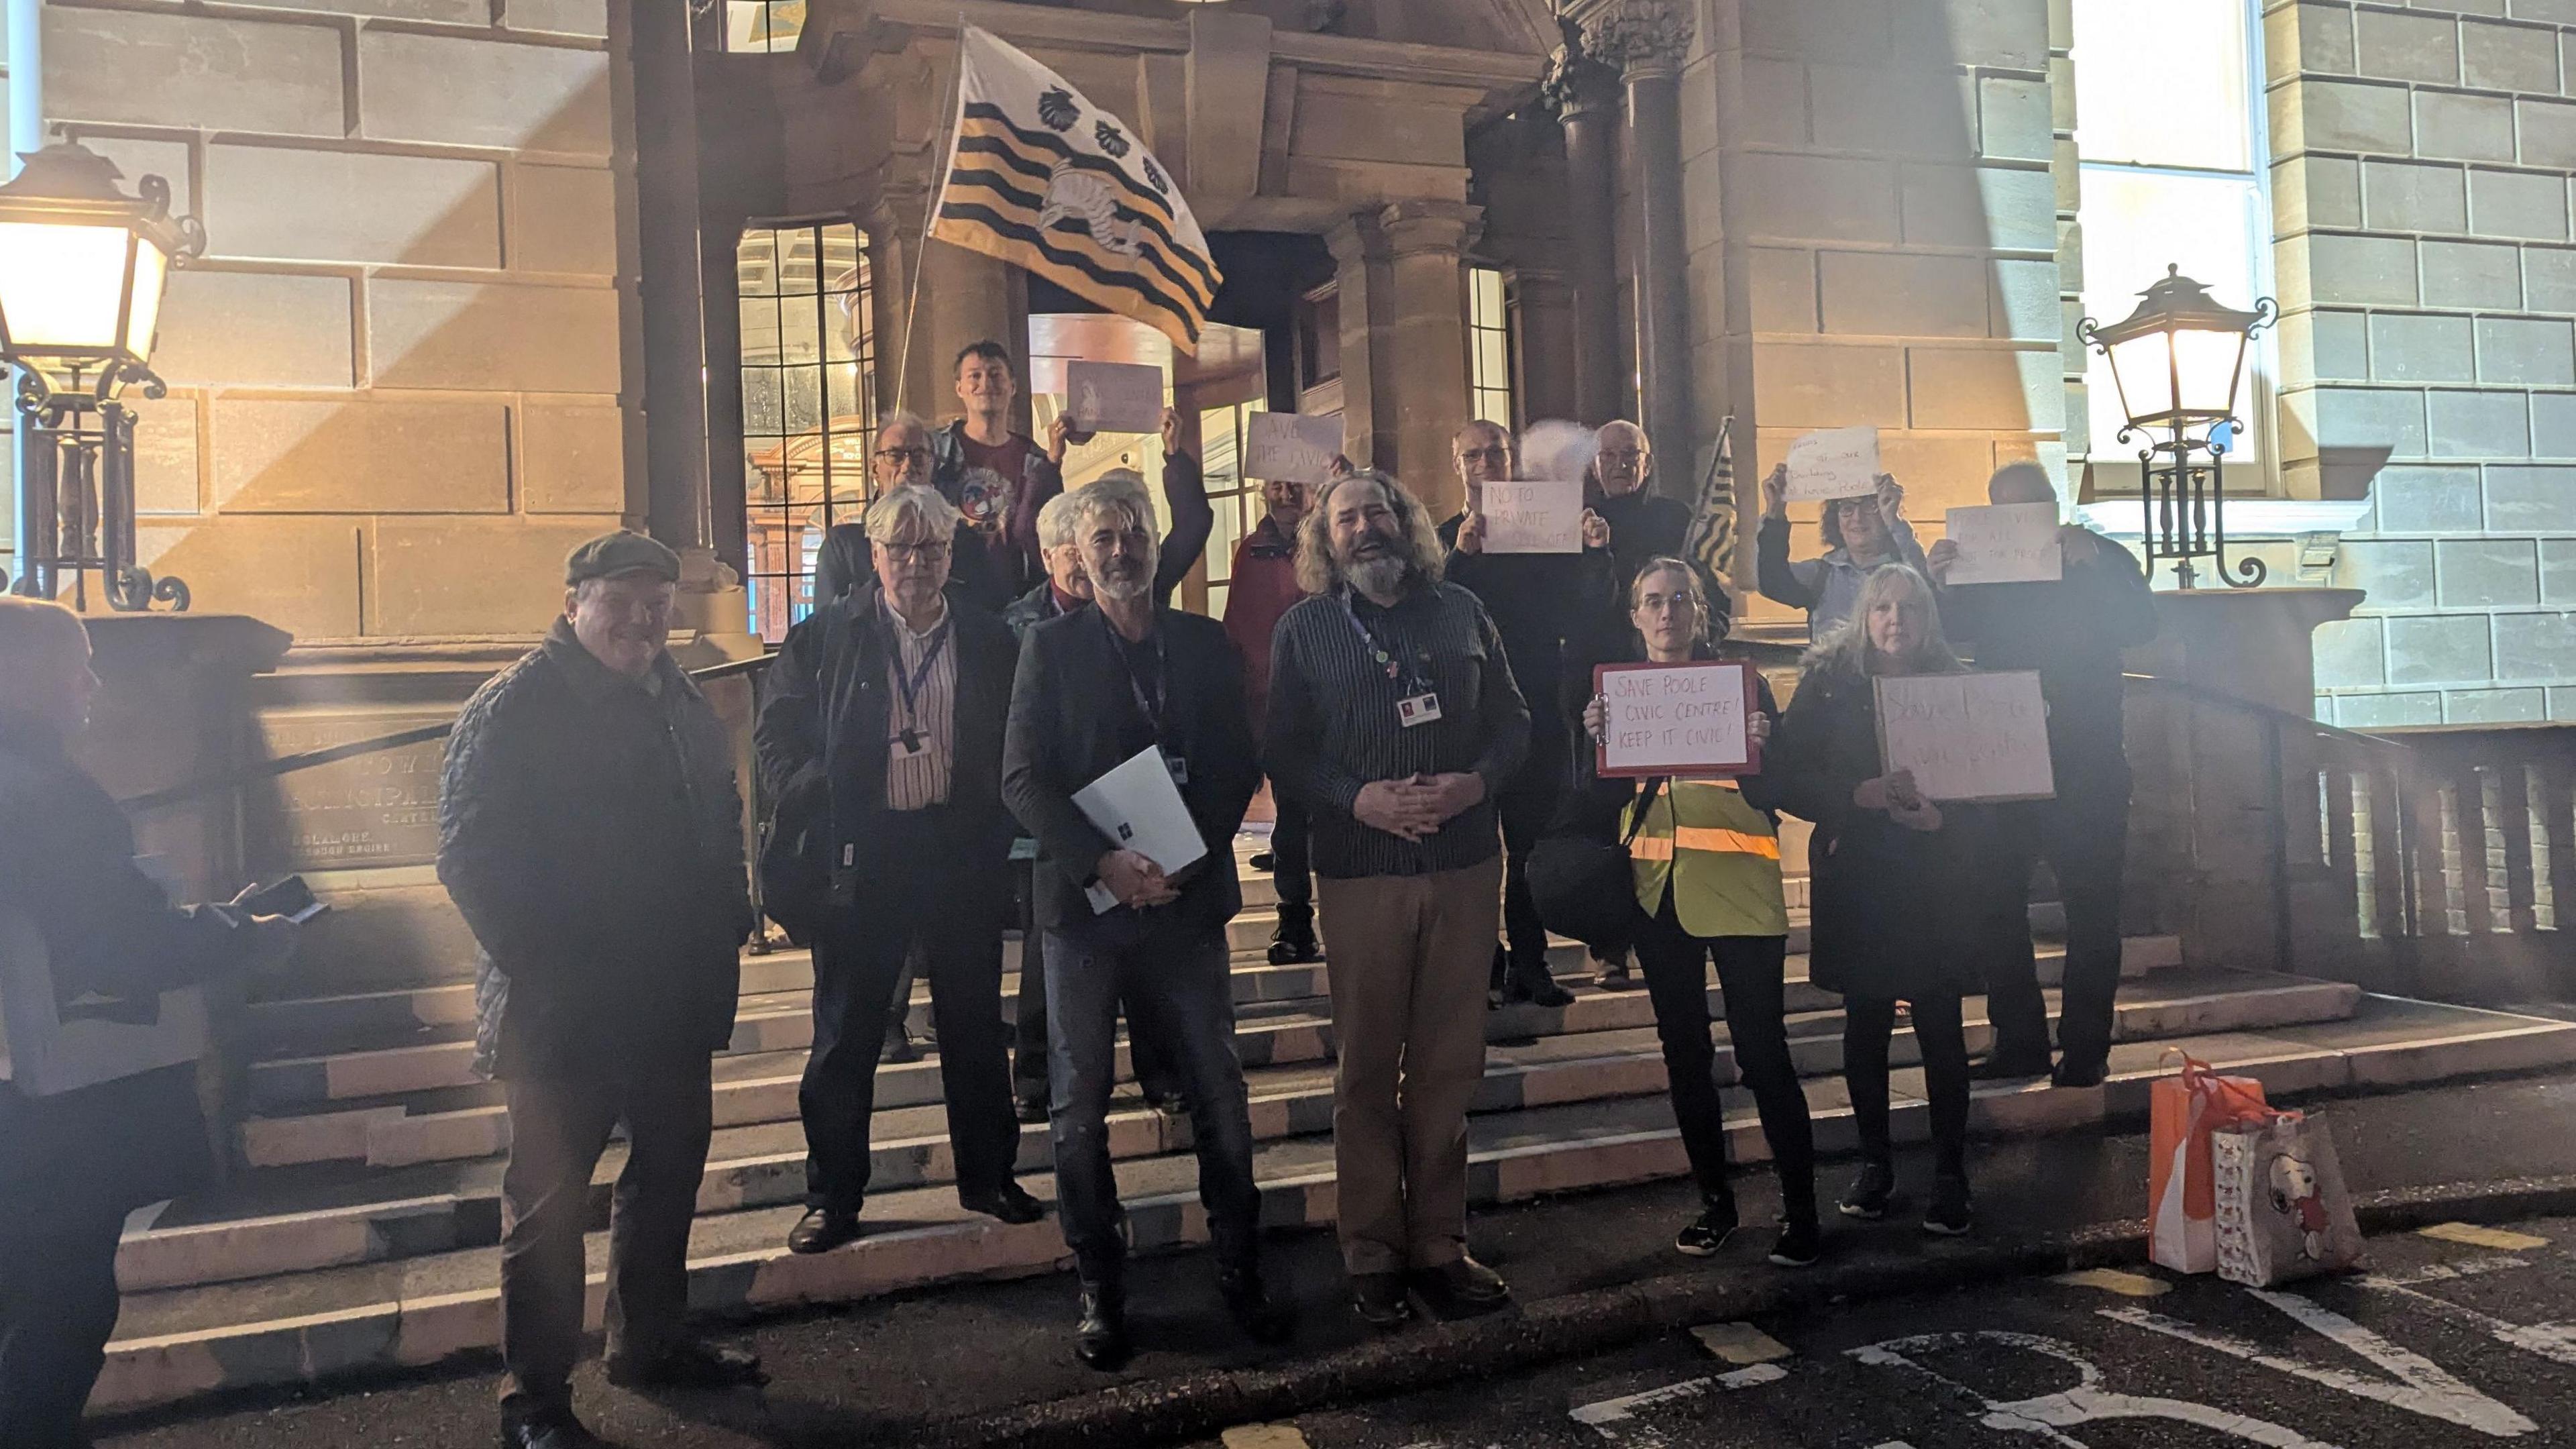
[1691,719]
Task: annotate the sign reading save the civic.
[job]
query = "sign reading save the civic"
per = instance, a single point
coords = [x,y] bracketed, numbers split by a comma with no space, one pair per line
[1967,736]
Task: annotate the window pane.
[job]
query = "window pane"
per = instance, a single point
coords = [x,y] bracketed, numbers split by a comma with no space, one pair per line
[2136,224]
[2163,84]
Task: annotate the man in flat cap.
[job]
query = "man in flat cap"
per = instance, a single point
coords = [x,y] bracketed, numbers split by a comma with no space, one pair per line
[590,831]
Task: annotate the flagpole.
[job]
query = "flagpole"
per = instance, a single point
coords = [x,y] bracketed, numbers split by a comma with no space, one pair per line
[930,213]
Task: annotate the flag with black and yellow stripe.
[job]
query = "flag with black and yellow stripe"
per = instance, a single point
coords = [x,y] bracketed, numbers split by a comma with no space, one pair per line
[1041,178]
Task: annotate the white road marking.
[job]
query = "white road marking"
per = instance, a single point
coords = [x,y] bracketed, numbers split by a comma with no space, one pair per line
[2555,1342]
[2421,1386]
[1616,1419]
[2441,1272]
[2050,1415]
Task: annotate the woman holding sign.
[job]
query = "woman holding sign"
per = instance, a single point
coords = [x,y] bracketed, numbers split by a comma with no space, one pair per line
[1896,899]
[1706,859]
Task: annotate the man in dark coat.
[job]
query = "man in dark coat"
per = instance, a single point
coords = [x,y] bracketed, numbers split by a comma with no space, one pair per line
[2072,631]
[883,726]
[590,831]
[1097,688]
[73,903]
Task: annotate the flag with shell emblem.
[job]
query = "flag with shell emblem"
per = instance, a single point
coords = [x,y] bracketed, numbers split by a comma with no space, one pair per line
[1041,178]
[1711,541]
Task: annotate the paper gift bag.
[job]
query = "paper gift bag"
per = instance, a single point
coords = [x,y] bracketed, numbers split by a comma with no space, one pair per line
[2283,1213]
[2183,1110]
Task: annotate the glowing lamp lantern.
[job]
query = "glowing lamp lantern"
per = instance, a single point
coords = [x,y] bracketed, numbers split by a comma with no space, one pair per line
[82,264]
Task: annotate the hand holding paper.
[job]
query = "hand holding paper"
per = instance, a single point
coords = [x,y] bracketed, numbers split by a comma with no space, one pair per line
[1291,447]
[1113,397]
[2002,544]
[1532,517]
[1833,463]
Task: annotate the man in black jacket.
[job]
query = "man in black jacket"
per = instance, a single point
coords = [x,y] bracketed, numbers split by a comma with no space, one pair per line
[74,1163]
[2072,632]
[590,831]
[884,720]
[1096,689]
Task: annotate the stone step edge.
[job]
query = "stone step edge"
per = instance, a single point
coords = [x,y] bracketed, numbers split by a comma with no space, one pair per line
[295,1242]
[156,1371]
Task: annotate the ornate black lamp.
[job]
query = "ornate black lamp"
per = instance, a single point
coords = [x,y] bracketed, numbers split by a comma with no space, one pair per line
[2178,362]
[82,267]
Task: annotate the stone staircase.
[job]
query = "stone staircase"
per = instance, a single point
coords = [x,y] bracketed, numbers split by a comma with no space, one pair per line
[362,1234]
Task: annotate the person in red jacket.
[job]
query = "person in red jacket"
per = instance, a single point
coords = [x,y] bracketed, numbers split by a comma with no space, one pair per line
[1263,587]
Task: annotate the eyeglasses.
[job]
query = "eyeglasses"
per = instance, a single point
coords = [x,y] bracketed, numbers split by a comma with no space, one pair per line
[903,455]
[915,552]
[1495,454]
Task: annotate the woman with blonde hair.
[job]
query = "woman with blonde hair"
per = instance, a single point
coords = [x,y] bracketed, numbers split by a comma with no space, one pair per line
[1706,861]
[1894,883]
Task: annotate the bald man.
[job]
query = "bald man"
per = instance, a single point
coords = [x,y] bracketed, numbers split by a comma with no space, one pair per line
[1644,524]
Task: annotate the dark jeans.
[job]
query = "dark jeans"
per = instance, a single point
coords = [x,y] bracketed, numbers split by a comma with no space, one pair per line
[1526,807]
[927,897]
[1030,1053]
[1749,971]
[2084,837]
[558,1128]
[1175,982]
[1291,855]
[1868,1022]
[57,1307]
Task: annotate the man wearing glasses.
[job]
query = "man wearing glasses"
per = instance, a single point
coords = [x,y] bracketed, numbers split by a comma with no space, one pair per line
[902,459]
[885,717]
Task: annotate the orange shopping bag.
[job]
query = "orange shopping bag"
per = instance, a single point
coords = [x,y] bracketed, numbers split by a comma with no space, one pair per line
[2182,1204]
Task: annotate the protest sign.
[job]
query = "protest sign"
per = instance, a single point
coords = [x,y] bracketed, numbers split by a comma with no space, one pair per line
[2005,543]
[1533,517]
[1967,737]
[1833,463]
[1677,719]
[1292,446]
[1113,397]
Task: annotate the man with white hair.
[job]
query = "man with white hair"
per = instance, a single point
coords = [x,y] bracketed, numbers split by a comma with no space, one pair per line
[2071,630]
[1097,688]
[1644,524]
[74,1163]
[883,727]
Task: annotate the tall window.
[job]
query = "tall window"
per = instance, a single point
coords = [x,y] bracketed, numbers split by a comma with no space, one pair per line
[763,25]
[1489,348]
[1237,498]
[808,405]
[2173,175]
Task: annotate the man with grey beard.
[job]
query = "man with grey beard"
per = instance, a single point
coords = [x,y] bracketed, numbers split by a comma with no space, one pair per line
[1394,718]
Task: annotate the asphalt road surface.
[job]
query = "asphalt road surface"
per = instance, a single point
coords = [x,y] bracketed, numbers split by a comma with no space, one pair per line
[2449,1341]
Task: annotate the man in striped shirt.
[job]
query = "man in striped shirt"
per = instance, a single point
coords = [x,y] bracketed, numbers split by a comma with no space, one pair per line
[1394,719]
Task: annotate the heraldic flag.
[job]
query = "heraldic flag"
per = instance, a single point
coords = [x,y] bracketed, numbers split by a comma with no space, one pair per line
[1711,541]
[1041,178]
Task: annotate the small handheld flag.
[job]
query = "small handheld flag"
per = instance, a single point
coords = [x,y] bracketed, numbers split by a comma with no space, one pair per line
[1711,542]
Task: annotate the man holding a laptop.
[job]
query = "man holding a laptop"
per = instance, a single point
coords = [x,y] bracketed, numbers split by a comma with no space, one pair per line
[1130,758]
[98,1096]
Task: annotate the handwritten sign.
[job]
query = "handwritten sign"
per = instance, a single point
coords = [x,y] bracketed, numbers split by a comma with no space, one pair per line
[1833,463]
[2005,543]
[1113,397]
[1967,736]
[1677,719]
[1291,446]
[1533,517]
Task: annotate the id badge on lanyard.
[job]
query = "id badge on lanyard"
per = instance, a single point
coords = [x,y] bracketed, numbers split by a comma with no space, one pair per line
[1420,707]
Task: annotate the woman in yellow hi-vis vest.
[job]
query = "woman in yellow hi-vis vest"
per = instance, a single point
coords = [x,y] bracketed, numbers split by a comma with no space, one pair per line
[1706,861]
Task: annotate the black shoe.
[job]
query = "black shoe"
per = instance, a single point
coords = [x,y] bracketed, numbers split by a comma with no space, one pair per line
[1708,1232]
[1461,1287]
[1529,981]
[1100,1339]
[2079,1074]
[548,1429]
[689,1364]
[2001,1068]
[1610,973]
[1379,1299]
[1799,1245]
[1952,1212]
[899,1047]
[1265,861]
[1263,1319]
[1293,943]
[823,1229]
[1869,1193]
[1010,1202]
[1030,1110]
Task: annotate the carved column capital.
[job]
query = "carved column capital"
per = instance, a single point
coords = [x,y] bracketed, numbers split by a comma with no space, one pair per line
[1420,225]
[1645,39]
[1577,83]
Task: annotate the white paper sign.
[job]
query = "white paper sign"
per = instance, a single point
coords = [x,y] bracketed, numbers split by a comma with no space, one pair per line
[2005,543]
[1833,463]
[1138,806]
[1675,719]
[47,1049]
[1533,517]
[1291,446]
[1113,397]
[1967,736]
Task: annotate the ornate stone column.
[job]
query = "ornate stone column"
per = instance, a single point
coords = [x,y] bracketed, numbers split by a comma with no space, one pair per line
[1425,340]
[1584,94]
[1648,40]
[1363,285]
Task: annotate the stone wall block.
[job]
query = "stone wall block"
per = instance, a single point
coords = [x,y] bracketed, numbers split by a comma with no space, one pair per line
[2534,646]
[2388,711]
[1851,30]
[563,219]
[2397,574]
[2471,274]
[2392,418]
[468,335]
[574,458]
[2558,570]
[335,206]
[452,90]
[2530,499]
[2428,500]
[2409,347]
[2439,649]
[1821,198]
[2462,128]
[166,469]
[1892,294]
[2351,654]
[2324,346]
[1901,112]
[2393,45]
[2361,269]
[2029,302]
[2518,204]
[2315,191]
[2407,196]
[2478,424]
[297,574]
[1983,207]
[2014,120]
[1775,102]
[1986,388]
[164,68]
[2333,115]
[2548,130]
[1829,387]
[2549,279]
[361,455]
[2526,350]
[2494,706]
[1783,289]
[514,587]
[563,17]
[2508,57]
[2006,34]
[2488,572]
[2553,425]
[2318,36]
[244,328]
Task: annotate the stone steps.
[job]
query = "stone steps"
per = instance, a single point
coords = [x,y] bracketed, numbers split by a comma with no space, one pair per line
[436,1300]
[287,1221]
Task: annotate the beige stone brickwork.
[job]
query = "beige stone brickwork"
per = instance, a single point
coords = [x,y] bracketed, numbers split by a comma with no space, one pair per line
[2421,170]
[399,383]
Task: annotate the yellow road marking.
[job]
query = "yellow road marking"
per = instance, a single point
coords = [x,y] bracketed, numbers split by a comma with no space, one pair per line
[2475,1236]
[1740,1344]
[2112,1280]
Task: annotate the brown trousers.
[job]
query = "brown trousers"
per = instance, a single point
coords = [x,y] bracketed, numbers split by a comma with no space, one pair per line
[1408,957]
